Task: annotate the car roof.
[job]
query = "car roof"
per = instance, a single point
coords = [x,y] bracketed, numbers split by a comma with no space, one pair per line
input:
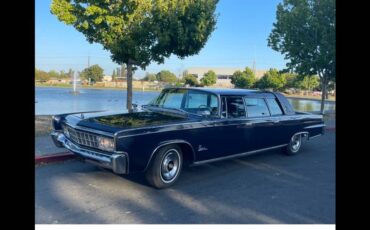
[228,91]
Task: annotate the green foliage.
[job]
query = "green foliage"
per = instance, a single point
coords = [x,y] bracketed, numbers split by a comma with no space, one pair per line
[209,78]
[291,80]
[94,72]
[305,33]
[308,82]
[190,80]
[150,77]
[41,75]
[141,31]
[272,79]
[53,74]
[138,32]
[166,76]
[244,80]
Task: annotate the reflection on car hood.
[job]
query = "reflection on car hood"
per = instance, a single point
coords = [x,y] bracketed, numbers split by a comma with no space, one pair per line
[134,120]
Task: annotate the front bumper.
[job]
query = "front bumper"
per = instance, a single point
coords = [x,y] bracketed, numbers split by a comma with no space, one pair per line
[118,161]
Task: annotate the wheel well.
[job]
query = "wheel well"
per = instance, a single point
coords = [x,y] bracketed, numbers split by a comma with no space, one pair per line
[187,152]
[186,149]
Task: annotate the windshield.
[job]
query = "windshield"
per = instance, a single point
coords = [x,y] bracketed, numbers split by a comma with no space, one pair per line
[191,101]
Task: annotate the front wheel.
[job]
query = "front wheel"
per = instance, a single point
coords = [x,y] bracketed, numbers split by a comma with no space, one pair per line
[165,167]
[294,145]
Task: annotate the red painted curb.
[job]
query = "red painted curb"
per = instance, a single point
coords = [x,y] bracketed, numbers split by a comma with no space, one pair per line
[55,157]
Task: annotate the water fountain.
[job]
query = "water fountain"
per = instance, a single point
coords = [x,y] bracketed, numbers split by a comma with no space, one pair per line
[74,82]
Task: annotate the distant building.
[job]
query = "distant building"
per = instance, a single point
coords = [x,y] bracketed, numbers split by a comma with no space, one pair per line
[107,78]
[223,74]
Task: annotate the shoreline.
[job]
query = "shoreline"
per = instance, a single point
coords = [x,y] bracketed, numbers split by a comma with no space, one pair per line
[291,96]
[96,87]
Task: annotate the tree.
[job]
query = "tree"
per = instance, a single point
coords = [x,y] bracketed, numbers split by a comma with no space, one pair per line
[150,77]
[94,73]
[190,80]
[123,70]
[53,74]
[166,76]
[41,75]
[244,80]
[114,75]
[138,32]
[305,33]
[308,82]
[291,80]
[209,78]
[272,79]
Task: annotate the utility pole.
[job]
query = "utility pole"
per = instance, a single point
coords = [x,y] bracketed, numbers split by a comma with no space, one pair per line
[88,60]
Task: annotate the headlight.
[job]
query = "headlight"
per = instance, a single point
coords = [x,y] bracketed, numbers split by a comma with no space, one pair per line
[106,144]
[65,131]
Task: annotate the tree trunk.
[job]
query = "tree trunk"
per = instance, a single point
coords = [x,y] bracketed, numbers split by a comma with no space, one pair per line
[323,93]
[129,87]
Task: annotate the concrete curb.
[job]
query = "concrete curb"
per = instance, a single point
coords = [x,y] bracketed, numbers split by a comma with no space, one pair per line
[54,157]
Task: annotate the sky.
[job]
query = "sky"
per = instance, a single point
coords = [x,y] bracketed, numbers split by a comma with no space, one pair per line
[240,38]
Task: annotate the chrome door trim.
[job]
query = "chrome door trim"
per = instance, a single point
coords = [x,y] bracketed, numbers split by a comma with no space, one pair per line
[238,155]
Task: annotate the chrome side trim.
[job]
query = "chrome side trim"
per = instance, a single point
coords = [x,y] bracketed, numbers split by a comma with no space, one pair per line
[315,126]
[237,155]
[311,137]
[200,127]
[168,143]
[190,123]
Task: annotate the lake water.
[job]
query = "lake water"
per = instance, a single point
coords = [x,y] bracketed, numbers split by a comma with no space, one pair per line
[50,101]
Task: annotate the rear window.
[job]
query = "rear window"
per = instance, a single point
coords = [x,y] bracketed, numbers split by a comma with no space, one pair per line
[256,107]
[274,106]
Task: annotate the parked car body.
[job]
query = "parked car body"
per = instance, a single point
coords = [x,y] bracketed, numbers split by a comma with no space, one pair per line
[186,126]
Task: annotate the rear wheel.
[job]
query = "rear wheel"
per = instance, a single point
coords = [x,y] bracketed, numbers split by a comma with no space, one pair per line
[165,167]
[294,145]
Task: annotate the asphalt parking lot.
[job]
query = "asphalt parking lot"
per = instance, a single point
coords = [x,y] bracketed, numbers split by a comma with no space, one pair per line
[268,188]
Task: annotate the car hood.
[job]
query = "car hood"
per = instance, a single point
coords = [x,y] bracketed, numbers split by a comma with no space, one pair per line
[116,122]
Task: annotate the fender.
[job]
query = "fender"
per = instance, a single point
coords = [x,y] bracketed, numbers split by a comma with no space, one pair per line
[168,142]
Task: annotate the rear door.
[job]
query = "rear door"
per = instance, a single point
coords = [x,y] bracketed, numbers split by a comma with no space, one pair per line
[268,131]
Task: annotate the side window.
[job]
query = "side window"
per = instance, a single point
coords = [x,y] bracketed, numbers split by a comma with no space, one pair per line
[256,107]
[274,107]
[196,100]
[235,107]
[173,100]
[223,107]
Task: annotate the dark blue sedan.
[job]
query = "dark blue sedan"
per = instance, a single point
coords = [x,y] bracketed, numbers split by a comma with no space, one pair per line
[186,126]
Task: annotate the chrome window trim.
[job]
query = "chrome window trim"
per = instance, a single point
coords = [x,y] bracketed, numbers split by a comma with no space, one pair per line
[237,155]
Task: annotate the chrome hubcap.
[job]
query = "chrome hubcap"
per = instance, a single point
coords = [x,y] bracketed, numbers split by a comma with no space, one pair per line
[170,165]
[296,143]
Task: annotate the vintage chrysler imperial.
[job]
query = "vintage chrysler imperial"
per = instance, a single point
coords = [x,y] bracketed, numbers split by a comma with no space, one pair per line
[186,126]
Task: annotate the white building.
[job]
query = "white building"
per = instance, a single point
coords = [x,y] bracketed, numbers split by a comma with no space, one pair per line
[107,78]
[223,74]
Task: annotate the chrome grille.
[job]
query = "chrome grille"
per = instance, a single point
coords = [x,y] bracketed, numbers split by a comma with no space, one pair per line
[83,138]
